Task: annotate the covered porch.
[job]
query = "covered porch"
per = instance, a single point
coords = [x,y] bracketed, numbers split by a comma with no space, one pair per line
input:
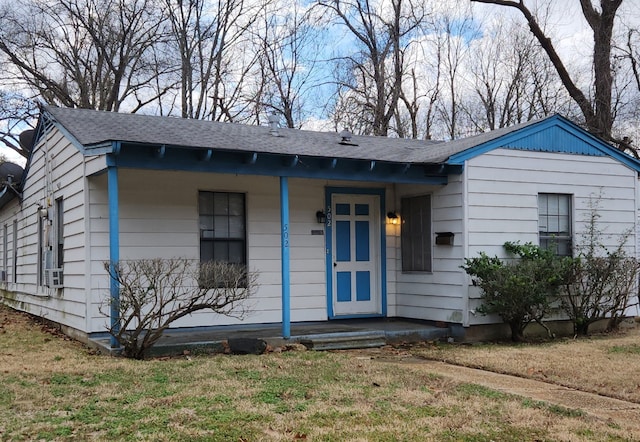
[338,334]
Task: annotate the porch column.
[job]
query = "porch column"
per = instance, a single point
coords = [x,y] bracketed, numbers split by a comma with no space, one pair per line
[284,247]
[114,245]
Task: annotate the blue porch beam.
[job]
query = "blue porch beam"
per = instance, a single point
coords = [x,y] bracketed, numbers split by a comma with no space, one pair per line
[114,246]
[284,246]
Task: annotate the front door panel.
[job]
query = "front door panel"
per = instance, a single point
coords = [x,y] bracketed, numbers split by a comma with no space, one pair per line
[356,254]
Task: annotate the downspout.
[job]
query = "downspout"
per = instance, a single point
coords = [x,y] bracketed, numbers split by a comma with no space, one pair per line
[114,243]
[284,247]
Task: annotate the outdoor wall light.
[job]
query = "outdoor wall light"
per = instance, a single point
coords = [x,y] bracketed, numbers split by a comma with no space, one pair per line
[321,217]
[393,218]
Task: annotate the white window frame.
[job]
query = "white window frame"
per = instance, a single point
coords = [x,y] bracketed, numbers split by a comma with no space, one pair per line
[555,222]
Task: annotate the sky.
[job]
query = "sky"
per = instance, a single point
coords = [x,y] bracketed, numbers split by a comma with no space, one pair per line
[567,27]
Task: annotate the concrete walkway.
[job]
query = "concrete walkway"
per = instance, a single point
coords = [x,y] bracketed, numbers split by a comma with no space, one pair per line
[622,413]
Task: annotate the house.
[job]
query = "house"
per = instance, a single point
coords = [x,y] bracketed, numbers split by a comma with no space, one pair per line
[338,226]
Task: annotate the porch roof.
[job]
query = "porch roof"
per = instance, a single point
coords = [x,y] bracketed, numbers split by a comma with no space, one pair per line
[160,142]
[96,130]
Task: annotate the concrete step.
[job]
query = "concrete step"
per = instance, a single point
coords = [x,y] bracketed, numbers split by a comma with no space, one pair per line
[343,341]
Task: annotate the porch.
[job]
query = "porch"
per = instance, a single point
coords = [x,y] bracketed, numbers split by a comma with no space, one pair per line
[322,335]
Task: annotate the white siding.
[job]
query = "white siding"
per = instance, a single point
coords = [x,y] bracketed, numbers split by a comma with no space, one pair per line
[437,295]
[159,218]
[503,186]
[65,180]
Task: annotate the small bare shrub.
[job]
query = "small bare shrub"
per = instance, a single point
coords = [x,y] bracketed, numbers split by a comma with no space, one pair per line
[154,293]
[601,282]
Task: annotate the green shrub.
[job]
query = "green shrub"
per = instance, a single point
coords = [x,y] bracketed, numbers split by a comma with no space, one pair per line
[520,289]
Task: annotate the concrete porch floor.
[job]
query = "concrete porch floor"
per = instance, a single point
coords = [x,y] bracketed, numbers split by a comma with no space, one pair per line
[323,335]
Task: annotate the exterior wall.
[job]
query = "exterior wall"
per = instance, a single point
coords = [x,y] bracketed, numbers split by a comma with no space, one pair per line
[437,295]
[56,171]
[502,188]
[159,218]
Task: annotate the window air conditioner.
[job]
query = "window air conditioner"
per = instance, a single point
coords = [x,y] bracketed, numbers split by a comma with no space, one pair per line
[53,278]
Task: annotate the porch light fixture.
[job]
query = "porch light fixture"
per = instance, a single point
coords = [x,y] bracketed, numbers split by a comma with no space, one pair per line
[321,217]
[393,218]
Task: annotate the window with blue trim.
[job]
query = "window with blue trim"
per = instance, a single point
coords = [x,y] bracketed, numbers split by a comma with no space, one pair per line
[416,233]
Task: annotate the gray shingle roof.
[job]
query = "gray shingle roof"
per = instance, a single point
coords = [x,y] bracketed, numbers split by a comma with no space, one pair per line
[92,128]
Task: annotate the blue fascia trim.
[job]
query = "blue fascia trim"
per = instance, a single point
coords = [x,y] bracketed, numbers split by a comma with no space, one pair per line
[329,191]
[553,121]
[237,162]
[285,257]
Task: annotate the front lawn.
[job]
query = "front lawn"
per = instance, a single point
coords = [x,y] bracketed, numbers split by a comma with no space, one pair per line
[52,388]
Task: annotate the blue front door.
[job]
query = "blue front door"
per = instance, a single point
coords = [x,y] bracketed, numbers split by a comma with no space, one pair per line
[355,255]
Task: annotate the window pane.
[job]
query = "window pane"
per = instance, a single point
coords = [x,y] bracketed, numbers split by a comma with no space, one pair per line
[362,209]
[542,204]
[205,203]
[206,226]
[563,226]
[221,226]
[206,251]
[543,224]
[563,247]
[236,204]
[221,251]
[343,209]
[552,205]
[220,203]
[236,252]
[564,205]
[236,227]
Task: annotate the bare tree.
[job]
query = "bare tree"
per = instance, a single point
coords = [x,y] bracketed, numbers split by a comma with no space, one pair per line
[420,90]
[381,33]
[289,47]
[454,33]
[212,41]
[84,53]
[597,109]
[17,114]
[513,81]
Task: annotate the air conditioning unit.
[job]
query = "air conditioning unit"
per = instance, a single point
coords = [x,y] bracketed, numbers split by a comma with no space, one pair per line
[53,278]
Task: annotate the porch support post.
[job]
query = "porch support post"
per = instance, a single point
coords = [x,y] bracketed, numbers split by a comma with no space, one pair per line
[114,246]
[284,239]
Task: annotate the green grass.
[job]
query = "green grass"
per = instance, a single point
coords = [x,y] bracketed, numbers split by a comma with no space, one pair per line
[631,349]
